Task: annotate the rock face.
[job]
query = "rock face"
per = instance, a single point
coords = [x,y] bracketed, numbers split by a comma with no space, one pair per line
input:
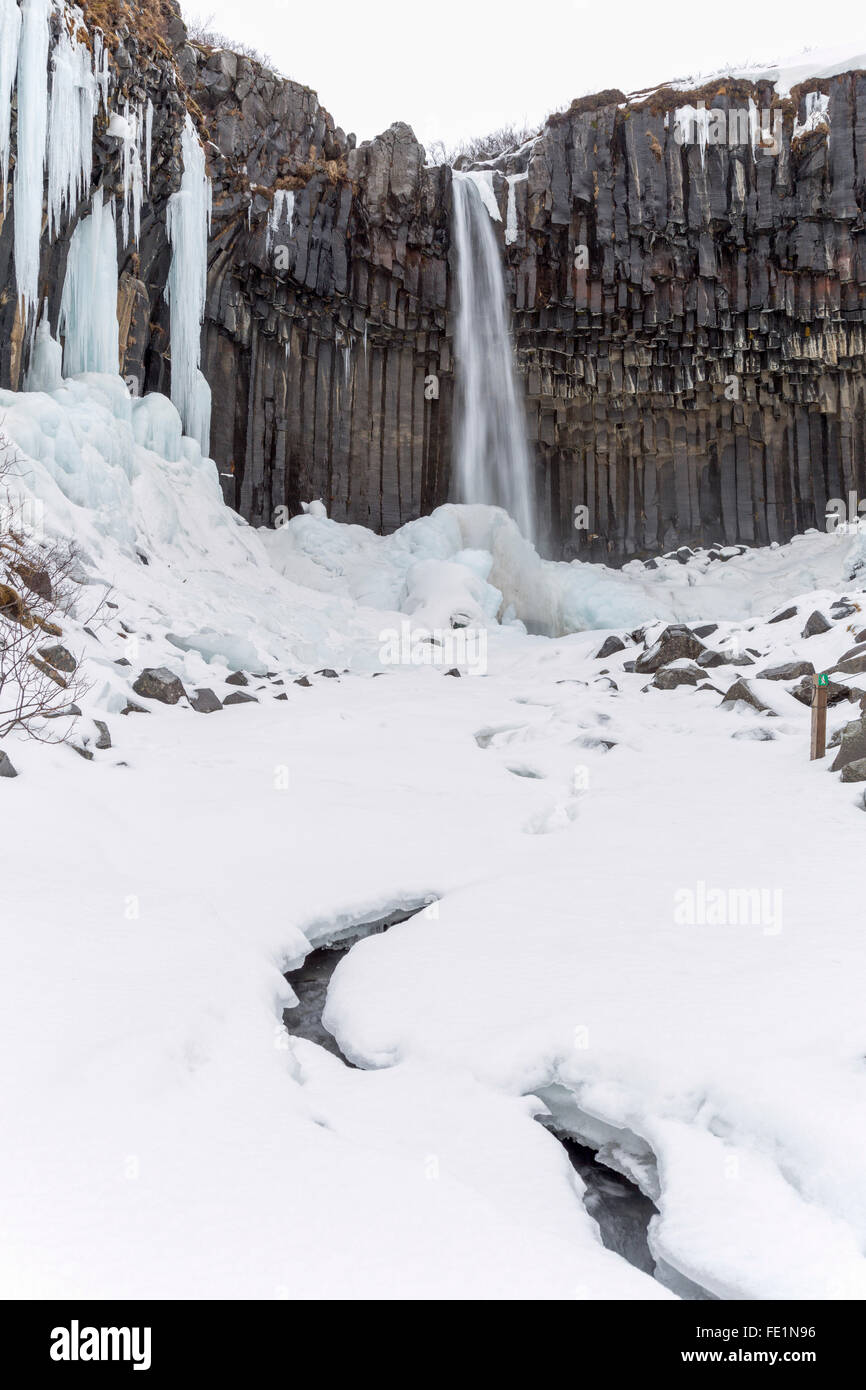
[688,317]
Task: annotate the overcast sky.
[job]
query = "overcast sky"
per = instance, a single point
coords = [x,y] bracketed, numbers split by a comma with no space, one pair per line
[454,68]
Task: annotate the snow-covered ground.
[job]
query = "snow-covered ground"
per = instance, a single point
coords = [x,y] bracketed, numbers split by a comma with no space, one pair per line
[560,832]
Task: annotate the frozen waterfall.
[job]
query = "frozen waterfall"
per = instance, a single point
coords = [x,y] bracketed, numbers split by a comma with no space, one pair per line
[88,308]
[188,226]
[492,458]
[30,152]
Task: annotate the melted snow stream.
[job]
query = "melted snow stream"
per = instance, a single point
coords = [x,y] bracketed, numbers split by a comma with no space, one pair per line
[619,1208]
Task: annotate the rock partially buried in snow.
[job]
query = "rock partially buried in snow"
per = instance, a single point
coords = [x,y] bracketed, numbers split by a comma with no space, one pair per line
[6,768]
[816,624]
[103,740]
[835,692]
[205,701]
[853,746]
[329,673]
[789,671]
[237,678]
[676,641]
[58,657]
[307,683]
[742,693]
[609,647]
[784,615]
[672,676]
[854,772]
[239,697]
[158,683]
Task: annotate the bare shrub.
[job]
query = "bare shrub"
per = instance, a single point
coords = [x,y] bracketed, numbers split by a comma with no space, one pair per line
[480,147]
[201,31]
[38,590]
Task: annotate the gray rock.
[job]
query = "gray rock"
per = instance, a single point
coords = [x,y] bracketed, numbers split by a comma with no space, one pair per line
[852,749]
[789,671]
[710,659]
[67,712]
[103,740]
[835,692]
[6,768]
[58,657]
[742,691]
[132,708]
[159,683]
[205,701]
[329,673]
[669,677]
[855,772]
[816,623]
[86,753]
[237,678]
[784,616]
[305,681]
[676,642]
[238,697]
[706,630]
[609,647]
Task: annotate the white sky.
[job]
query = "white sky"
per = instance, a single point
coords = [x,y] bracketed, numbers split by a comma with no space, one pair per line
[455,68]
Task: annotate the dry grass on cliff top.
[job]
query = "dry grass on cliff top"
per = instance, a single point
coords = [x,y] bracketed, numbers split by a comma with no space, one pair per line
[146,19]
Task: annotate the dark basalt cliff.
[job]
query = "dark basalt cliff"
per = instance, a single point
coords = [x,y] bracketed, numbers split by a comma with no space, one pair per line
[697,374]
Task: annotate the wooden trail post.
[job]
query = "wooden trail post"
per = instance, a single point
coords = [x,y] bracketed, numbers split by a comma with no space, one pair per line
[819,716]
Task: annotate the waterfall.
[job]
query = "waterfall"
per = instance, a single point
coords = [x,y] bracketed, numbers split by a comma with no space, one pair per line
[188,222]
[492,458]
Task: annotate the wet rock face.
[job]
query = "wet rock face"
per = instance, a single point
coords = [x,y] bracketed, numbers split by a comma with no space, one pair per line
[688,317]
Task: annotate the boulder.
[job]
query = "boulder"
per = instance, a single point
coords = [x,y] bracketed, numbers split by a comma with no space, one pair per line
[742,691]
[855,772]
[205,701]
[303,680]
[6,768]
[238,697]
[676,642]
[329,673]
[816,624]
[103,737]
[609,647]
[852,749]
[784,616]
[58,657]
[237,678]
[706,629]
[159,683]
[669,677]
[788,671]
[835,692]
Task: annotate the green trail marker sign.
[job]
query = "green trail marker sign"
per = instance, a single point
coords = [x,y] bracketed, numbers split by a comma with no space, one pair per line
[819,715]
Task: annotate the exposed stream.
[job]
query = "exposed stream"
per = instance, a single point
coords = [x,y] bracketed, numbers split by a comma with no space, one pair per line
[619,1208]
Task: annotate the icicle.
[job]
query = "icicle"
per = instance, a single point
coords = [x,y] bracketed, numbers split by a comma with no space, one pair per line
[10,33]
[128,128]
[100,67]
[282,213]
[46,359]
[74,102]
[188,224]
[88,307]
[30,154]
[148,135]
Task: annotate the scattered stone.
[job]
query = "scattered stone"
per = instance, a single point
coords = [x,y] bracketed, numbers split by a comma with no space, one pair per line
[91,633]
[59,658]
[132,708]
[708,659]
[672,676]
[852,662]
[36,580]
[103,739]
[706,630]
[329,673]
[609,647]
[85,753]
[122,661]
[850,728]
[6,768]
[816,624]
[205,701]
[855,772]
[304,680]
[789,671]
[783,617]
[605,682]
[742,691]
[238,697]
[159,683]
[237,678]
[684,554]
[629,666]
[842,608]
[453,672]
[706,685]
[676,642]
[282,696]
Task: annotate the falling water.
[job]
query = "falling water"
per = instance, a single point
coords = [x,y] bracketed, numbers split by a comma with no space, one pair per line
[492,456]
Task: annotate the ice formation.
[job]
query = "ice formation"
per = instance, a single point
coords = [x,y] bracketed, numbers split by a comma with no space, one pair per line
[30,152]
[511,211]
[88,307]
[10,33]
[132,176]
[282,212]
[74,101]
[492,455]
[46,359]
[188,224]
